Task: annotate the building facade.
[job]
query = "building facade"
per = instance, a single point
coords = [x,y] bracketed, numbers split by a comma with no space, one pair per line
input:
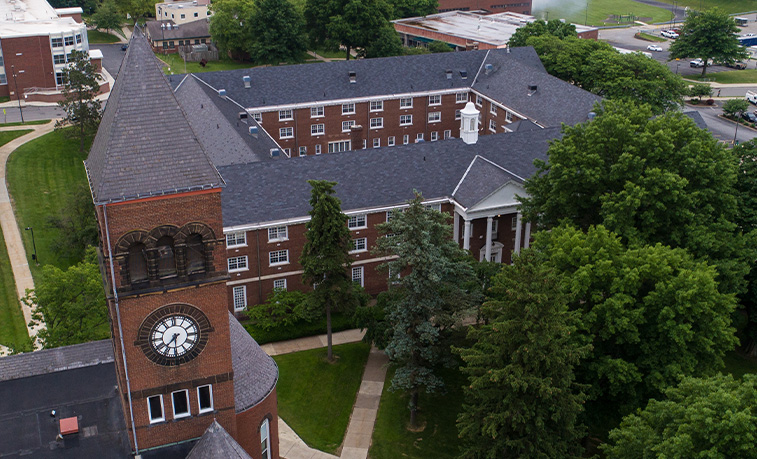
[492,6]
[182,12]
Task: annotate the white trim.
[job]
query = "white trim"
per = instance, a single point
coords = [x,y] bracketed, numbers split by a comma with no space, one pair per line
[173,404]
[280,280]
[199,408]
[236,270]
[483,61]
[162,410]
[299,272]
[504,107]
[234,298]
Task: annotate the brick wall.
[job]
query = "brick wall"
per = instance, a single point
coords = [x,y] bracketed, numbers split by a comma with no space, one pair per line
[248,426]
[33,62]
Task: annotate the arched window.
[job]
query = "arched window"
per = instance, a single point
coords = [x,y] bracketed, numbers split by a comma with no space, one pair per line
[137,263]
[265,440]
[195,254]
[166,257]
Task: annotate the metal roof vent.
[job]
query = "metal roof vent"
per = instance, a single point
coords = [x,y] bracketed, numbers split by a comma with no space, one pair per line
[592,115]
[162,25]
[464,74]
[449,74]
[275,152]
[253,130]
[242,115]
[353,76]
[176,26]
[246,80]
[222,92]
[532,89]
[488,68]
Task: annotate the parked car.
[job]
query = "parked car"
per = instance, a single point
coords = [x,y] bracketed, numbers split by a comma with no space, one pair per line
[657,48]
[751,96]
[698,62]
[736,65]
[750,34]
[124,47]
[749,116]
[669,34]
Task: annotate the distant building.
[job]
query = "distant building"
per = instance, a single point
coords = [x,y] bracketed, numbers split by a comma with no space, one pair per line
[168,37]
[492,6]
[181,12]
[36,42]
[465,31]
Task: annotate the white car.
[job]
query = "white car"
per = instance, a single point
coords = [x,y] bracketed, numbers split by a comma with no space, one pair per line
[654,48]
[669,34]
[750,34]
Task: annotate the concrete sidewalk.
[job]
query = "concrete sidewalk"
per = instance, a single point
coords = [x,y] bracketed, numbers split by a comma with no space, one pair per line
[312,342]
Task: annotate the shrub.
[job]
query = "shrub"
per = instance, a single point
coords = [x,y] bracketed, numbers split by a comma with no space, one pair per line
[710,101]
[282,308]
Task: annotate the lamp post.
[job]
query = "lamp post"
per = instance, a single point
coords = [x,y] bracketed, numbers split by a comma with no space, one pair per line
[678,64]
[18,96]
[34,245]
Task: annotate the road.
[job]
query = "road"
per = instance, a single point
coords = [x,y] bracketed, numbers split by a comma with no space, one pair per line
[720,128]
[31,113]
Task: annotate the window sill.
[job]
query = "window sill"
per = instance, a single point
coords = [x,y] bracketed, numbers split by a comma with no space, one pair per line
[348,114]
[435,121]
[238,270]
[182,416]
[317,134]
[237,246]
[405,125]
[236,309]
[270,265]
[377,127]
[157,421]
[282,239]
[353,252]
[208,411]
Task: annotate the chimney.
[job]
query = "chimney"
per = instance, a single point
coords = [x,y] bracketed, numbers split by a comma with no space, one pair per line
[353,76]
[449,74]
[246,80]
[469,124]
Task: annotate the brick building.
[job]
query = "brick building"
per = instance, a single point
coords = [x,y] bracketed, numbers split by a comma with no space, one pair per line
[168,37]
[36,41]
[492,6]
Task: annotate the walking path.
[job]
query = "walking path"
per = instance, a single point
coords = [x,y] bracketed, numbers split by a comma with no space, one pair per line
[11,232]
[357,439]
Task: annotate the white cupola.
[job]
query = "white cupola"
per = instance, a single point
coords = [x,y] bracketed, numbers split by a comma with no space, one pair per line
[469,124]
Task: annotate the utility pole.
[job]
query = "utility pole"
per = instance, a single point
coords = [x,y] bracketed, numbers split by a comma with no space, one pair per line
[18,95]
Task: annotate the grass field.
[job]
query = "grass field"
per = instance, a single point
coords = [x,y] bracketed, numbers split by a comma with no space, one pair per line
[329,54]
[734,76]
[40,175]
[28,123]
[598,11]
[176,64]
[649,37]
[729,6]
[316,397]
[97,36]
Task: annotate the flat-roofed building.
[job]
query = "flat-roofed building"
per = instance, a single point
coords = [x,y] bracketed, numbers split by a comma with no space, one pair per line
[493,6]
[181,12]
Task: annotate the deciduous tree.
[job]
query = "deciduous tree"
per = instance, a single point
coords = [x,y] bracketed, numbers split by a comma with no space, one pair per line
[538,28]
[413,8]
[359,23]
[230,26]
[387,43]
[76,224]
[709,35]
[735,107]
[523,399]
[277,30]
[427,298]
[325,256]
[71,303]
[701,417]
[107,16]
[80,87]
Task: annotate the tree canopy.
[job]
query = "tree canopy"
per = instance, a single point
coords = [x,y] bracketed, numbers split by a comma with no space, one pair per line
[426,299]
[70,302]
[80,87]
[700,418]
[650,180]
[522,399]
[413,8]
[230,26]
[277,32]
[653,314]
[709,35]
[107,16]
[538,28]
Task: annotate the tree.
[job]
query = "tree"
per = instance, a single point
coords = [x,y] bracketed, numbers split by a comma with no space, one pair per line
[566,58]
[699,90]
[79,91]
[325,256]
[710,35]
[76,225]
[538,28]
[735,107]
[387,43]
[137,9]
[71,303]
[282,308]
[746,190]
[230,26]
[107,16]
[647,179]
[318,15]
[522,399]
[359,23]
[426,299]
[439,47]
[413,8]
[277,32]
[702,417]
[653,314]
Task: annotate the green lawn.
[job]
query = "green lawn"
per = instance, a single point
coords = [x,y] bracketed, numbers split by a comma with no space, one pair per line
[339,54]
[40,174]
[28,123]
[316,397]
[176,64]
[97,36]
[649,37]
[730,77]
[729,6]
[599,10]
[437,416]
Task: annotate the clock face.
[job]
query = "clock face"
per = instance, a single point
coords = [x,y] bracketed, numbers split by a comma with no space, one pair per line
[174,334]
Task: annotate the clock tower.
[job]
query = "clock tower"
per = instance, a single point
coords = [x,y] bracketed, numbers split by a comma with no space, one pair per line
[158,205]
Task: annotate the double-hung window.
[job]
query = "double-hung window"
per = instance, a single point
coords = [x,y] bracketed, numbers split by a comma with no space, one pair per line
[59,58]
[346,125]
[236,239]
[357,275]
[390,141]
[406,102]
[69,41]
[359,245]
[277,233]
[78,38]
[377,105]
[280,284]
[435,99]
[303,151]
[285,115]
[406,120]
[317,129]
[278,257]
[239,293]
[458,115]
[377,123]
[508,116]
[286,133]
[316,112]
[357,221]
[461,97]
[434,136]
[376,142]
[405,139]
[492,125]
[265,440]
[434,117]
[493,109]
[447,134]
[418,137]
[348,109]
[479,100]
[237,263]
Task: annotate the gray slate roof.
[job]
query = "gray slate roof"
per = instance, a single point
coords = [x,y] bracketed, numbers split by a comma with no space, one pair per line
[480,180]
[255,372]
[145,146]
[372,177]
[215,120]
[194,29]
[216,443]
[53,360]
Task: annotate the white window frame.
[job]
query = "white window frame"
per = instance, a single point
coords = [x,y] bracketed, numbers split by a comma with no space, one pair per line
[418,136]
[390,141]
[280,284]
[339,146]
[317,112]
[237,239]
[317,129]
[377,123]
[348,108]
[278,233]
[377,142]
[458,114]
[173,404]
[265,439]
[154,420]
[493,109]
[238,261]
[493,125]
[257,117]
[347,125]
[514,223]
[406,120]
[239,296]
[286,115]
[377,106]
[435,99]
[360,275]
[359,245]
[405,139]
[508,116]
[200,409]
[479,100]
[358,221]
[447,134]
[318,149]
[286,133]
[303,151]
[434,117]
[434,136]
[406,102]
[495,228]
[278,257]
[461,97]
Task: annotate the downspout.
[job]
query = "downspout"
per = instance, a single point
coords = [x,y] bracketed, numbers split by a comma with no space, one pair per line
[260,284]
[120,330]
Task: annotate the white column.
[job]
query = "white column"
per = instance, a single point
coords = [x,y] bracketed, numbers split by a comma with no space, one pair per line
[466,235]
[456,226]
[527,239]
[488,252]
[518,233]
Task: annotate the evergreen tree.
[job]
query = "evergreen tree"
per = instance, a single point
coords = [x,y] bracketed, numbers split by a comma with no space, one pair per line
[426,300]
[325,257]
[523,400]
[80,87]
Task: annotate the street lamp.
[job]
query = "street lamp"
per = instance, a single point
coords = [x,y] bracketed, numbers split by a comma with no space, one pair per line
[34,245]
[18,96]
[678,64]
